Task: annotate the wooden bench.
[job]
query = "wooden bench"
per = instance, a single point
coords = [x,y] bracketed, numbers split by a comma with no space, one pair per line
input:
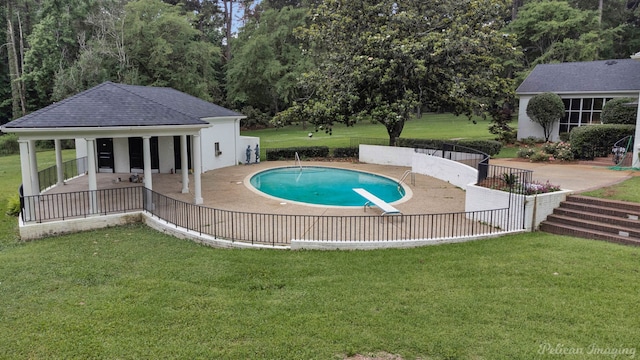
[386,208]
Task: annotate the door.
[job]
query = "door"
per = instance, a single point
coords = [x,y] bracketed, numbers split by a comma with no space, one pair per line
[105,155]
[136,154]
[178,152]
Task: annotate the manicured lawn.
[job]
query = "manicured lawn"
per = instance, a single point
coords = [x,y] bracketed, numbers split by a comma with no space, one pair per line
[626,191]
[430,126]
[131,292]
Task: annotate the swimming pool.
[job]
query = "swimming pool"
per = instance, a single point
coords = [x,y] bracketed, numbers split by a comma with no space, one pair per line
[325,185]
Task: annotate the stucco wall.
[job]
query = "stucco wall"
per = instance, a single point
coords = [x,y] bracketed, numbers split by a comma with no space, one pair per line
[453,172]
[224,133]
[536,207]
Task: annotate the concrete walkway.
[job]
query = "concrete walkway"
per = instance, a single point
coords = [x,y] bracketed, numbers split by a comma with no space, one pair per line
[577,177]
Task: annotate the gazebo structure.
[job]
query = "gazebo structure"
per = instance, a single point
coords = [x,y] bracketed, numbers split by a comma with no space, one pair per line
[133,129]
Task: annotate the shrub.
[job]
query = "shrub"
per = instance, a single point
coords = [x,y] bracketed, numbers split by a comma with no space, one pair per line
[303,152]
[616,111]
[490,147]
[525,152]
[545,109]
[9,144]
[539,156]
[346,152]
[588,142]
[13,205]
[535,187]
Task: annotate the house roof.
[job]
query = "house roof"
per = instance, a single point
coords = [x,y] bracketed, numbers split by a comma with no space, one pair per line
[592,76]
[118,105]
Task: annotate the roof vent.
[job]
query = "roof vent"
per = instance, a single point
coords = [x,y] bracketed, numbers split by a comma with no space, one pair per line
[611,62]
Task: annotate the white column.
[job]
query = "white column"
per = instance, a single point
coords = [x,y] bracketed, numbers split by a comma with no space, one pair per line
[91,172]
[27,188]
[197,169]
[184,159]
[25,166]
[146,152]
[33,161]
[636,139]
[59,168]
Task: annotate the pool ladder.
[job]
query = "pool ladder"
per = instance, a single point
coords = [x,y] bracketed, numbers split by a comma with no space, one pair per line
[404,176]
[298,162]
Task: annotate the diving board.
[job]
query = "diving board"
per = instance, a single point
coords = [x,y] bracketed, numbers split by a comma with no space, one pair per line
[386,208]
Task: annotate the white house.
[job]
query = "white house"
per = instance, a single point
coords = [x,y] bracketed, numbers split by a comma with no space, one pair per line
[134,129]
[584,87]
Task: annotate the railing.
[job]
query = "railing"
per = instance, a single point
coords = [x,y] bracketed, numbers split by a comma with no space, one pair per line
[81,204]
[71,168]
[279,230]
[258,228]
[462,154]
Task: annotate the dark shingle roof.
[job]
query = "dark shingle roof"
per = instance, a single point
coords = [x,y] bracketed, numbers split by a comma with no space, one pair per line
[116,105]
[592,76]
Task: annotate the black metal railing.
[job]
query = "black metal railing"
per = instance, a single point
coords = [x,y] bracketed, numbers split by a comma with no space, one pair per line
[81,204]
[259,228]
[71,168]
[462,154]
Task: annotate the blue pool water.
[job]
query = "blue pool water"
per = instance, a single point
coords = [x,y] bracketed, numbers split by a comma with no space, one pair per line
[324,185]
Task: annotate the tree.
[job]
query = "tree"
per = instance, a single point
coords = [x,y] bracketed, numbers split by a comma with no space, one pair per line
[545,109]
[264,74]
[379,60]
[147,42]
[53,45]
[620,111]
[553,31]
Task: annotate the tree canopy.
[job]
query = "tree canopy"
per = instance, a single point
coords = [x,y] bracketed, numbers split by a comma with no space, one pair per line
[545,109]
[380,60]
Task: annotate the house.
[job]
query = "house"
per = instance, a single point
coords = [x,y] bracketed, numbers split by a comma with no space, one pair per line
[584,87]
[134,129]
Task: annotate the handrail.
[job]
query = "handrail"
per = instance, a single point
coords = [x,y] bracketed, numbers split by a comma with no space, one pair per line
[404,176]
[298,161]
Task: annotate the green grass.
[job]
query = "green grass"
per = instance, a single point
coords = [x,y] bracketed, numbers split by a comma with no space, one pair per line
[430,126]
[131,292]
[626,191]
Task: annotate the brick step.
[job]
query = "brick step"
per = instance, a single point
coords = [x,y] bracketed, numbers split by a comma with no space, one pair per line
[561,229]
[629,207]
[601,210]
[600,225]
[620,221]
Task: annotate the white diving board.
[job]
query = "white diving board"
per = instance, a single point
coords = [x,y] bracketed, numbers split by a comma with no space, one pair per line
[386,208]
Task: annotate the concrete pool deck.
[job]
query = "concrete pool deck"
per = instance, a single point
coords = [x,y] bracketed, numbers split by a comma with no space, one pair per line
[226,189]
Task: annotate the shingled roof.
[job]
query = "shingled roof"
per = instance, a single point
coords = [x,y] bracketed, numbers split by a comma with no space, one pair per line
[119,105]
[576,77]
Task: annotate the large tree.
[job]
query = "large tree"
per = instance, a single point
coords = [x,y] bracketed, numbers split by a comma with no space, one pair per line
[146,42]
[554,31]
[380,60]
[264,72]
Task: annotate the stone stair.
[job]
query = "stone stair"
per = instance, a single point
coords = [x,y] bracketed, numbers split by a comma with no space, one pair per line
[594,218]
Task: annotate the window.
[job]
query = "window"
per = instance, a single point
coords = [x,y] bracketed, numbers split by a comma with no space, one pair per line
[581,111]
[217,149]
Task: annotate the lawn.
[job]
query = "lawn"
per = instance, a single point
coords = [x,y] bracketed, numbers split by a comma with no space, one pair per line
[430,126]
[130,292]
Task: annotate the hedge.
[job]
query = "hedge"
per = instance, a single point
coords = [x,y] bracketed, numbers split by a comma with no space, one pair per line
[303,152]
[593,141]
[490,147]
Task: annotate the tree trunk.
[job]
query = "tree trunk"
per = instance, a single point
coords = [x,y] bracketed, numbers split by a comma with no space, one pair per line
[228,19]
[15,70]
[394,130]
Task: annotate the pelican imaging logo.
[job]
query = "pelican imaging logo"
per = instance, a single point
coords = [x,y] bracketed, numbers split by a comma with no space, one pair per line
[622,352]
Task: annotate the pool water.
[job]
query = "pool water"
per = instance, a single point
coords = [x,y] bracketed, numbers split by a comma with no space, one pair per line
[325,186]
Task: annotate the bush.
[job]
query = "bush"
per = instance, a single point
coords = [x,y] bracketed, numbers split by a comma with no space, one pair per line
[13,205]
[545,109]
[9,144]
[490,147]
[303,152]
[593,141]
[617,112]
[346,152]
